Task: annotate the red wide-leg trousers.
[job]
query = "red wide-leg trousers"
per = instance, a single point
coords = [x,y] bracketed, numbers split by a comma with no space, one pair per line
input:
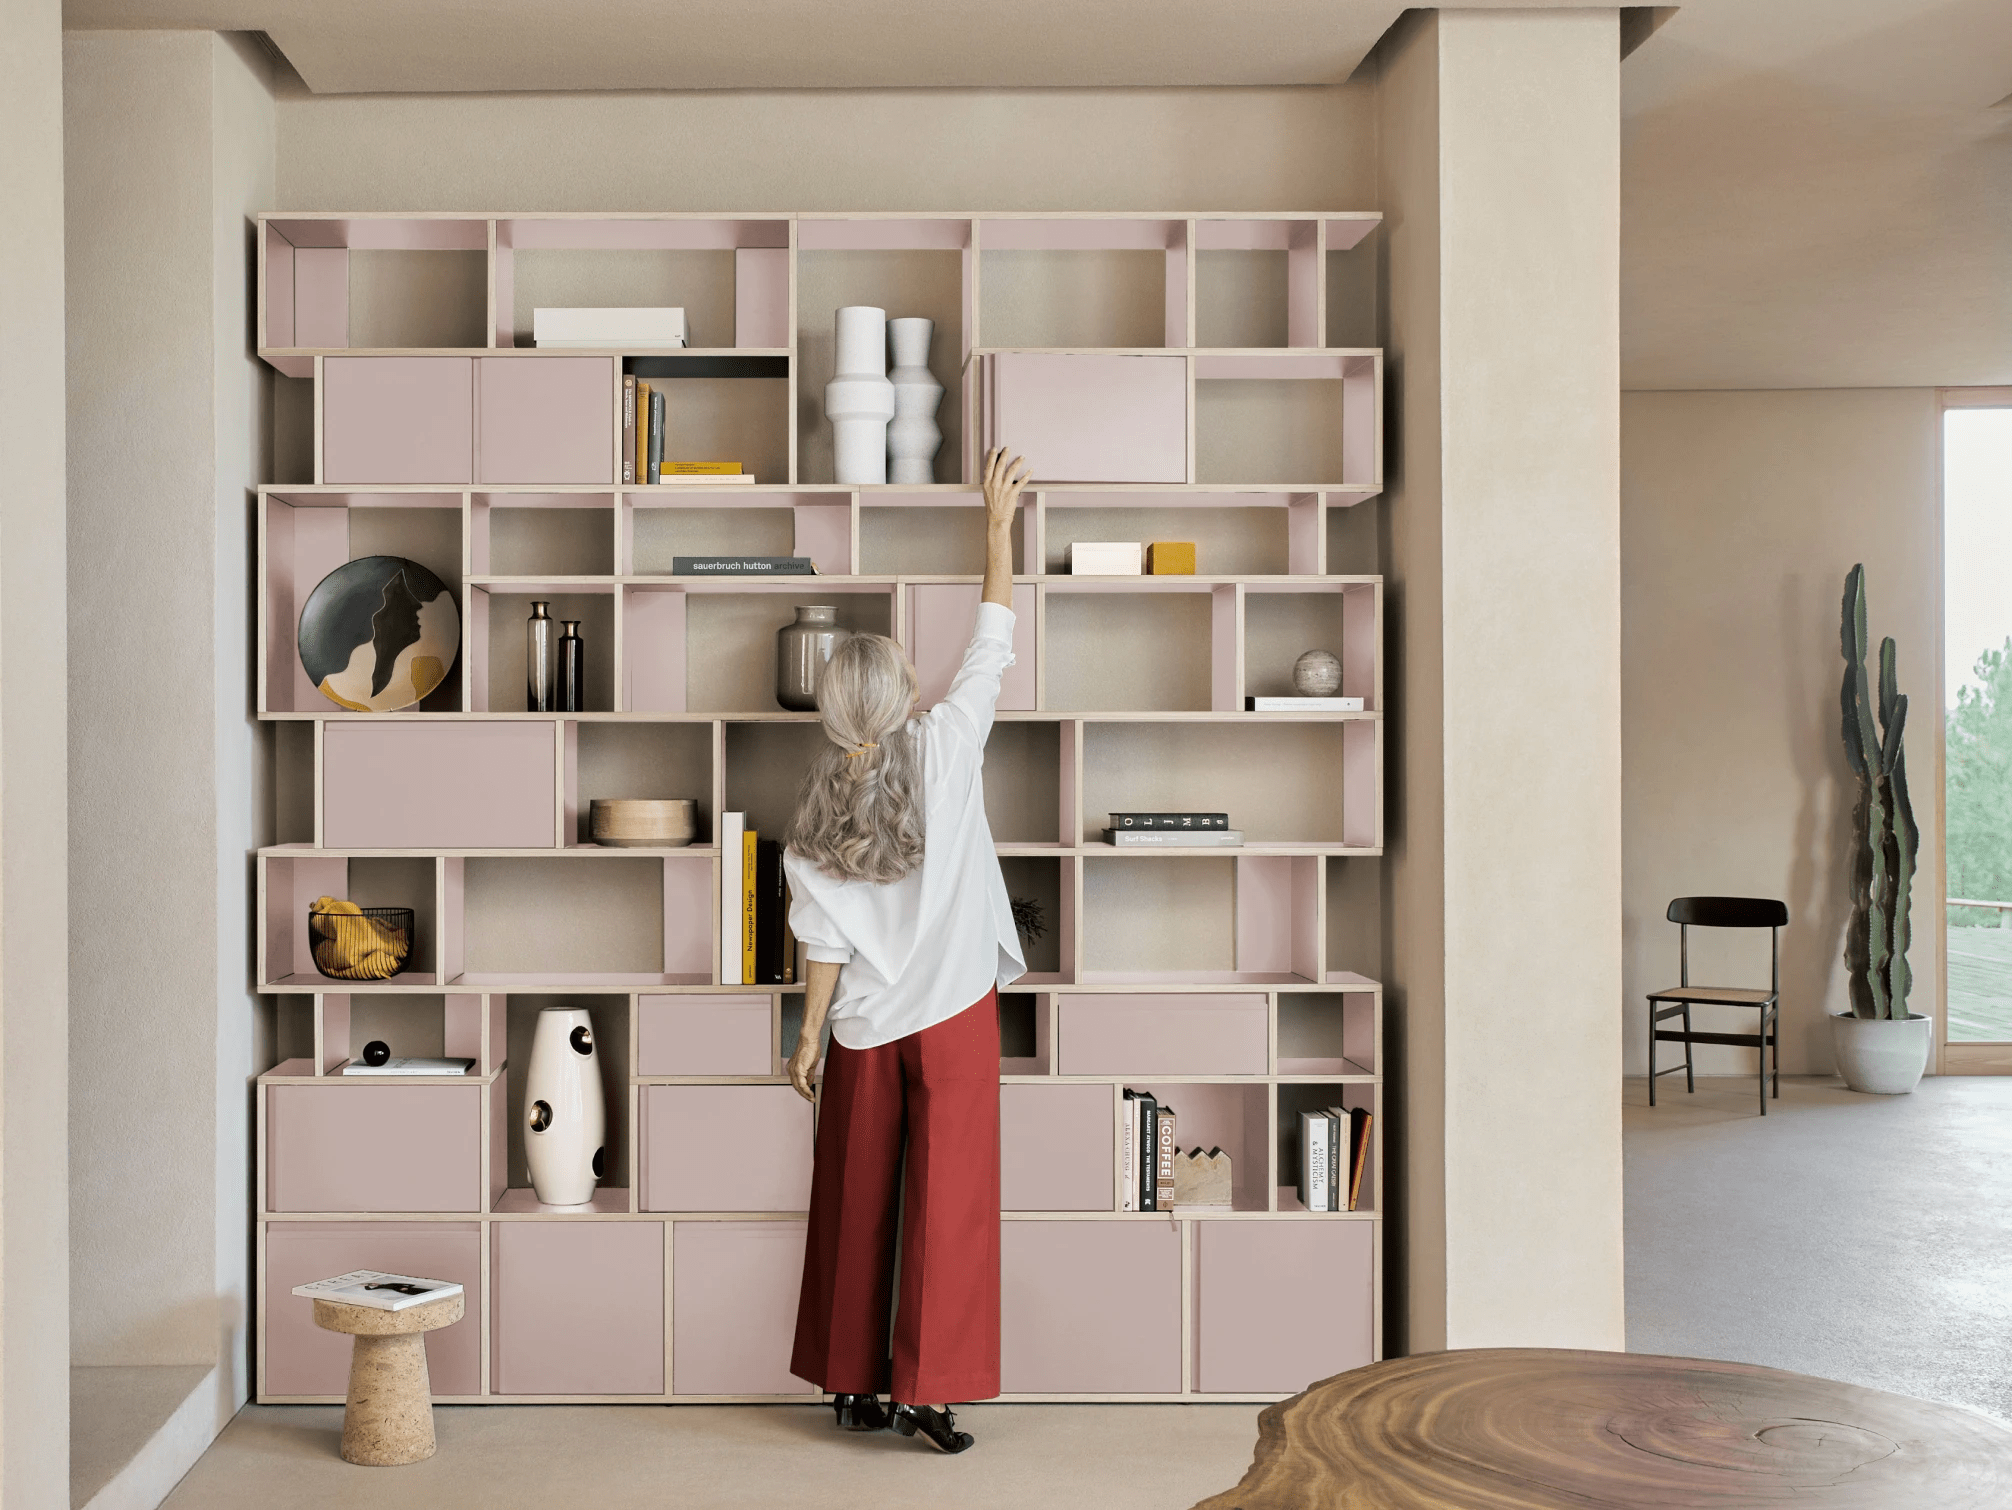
[937,1091]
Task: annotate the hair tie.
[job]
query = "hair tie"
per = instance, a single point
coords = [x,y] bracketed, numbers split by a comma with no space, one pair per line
[854,754]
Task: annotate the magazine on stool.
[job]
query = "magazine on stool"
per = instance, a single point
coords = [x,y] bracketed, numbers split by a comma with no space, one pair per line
[379,1291]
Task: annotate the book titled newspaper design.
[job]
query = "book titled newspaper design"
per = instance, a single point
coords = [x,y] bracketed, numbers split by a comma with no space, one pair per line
[379,1291]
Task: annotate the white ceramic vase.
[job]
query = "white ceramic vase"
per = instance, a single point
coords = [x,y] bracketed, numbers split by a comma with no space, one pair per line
[1882,1056]
[913,438]
[565,1118]
[859,400]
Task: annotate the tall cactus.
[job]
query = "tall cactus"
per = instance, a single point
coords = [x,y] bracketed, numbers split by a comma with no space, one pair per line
[1885,838]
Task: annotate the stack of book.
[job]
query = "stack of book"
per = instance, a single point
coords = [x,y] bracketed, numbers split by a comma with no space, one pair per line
[1147,1151]
[757,945]
[643,420]
[1333,1151]
[1172,831]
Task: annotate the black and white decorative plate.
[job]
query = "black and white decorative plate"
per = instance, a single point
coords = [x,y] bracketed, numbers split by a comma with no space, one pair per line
[379,633]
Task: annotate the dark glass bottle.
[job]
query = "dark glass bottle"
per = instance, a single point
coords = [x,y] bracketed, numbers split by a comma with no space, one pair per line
[572,668]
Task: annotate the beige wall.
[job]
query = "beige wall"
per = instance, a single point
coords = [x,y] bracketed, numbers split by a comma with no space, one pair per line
[1502,168]
[1741,514]
[34,943]
[1150,149]
[170,146]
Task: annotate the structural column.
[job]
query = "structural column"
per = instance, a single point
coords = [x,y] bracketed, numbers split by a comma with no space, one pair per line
[1500,168]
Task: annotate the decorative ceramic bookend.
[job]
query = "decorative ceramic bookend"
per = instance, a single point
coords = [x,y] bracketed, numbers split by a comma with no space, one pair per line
[859,400]
[1317,674]
[565,1118]
[1202,1179]
[913,437]
[801,649]
[538,658]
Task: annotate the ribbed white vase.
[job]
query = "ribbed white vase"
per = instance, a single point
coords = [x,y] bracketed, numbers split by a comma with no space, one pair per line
[859,401]
[565,1118]
[913,437]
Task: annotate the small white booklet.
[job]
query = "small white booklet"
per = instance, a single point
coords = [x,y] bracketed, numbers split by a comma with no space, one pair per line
[382,1292]
[410,1067]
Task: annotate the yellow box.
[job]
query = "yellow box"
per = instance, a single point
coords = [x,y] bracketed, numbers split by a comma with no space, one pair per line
[1170,558]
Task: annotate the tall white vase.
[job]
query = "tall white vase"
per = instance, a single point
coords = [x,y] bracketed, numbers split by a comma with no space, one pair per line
[913,438]
[859,401]
[565,1118]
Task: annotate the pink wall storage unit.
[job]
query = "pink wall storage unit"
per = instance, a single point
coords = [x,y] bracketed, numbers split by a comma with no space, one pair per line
[579,1308]
[397,420]
[733,1307]
[725,1148]
[1280,1305]
[1164,1035]
[1081,418]
[548,420]
[300,1360]
[373,1148]
[704,1035]
[306,271]
[1055,1148]
[439,786]
[1090,1307]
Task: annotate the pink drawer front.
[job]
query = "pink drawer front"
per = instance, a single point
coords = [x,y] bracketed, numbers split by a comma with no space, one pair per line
[733,1307]
[438,786]
[703,1035]
[579,1308]
[1091,418]
[1164,1035]
[725,1148]
[940,616]
[1279,1305]
[1055,1148]
[545,419]
[374,1148]
[397,419]
[1090,1307]
[302,1359]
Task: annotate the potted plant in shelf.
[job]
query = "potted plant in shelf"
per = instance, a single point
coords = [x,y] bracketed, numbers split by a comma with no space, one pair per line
[1880,1046]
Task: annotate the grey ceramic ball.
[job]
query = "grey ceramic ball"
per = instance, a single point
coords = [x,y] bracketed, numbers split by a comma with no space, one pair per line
[1317,674]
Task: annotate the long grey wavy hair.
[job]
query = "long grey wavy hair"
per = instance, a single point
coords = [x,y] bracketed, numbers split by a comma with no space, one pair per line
[860,815]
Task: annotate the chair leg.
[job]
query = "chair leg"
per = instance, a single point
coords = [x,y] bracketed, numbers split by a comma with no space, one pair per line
[1690,1080]
[1652,1053]
[1774,1037]
[1761,1068]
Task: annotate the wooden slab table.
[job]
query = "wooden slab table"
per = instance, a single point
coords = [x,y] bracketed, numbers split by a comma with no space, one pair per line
[1539,1429]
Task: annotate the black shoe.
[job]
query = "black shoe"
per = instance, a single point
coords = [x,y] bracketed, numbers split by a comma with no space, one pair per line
[940,1426]
[859,1412]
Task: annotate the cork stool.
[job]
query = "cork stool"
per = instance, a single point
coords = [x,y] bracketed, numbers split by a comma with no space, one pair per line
[388,1417]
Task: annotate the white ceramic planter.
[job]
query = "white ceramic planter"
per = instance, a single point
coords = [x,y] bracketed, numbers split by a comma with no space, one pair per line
[913,436]
[1882,1056]
[859,400]
[565,1118]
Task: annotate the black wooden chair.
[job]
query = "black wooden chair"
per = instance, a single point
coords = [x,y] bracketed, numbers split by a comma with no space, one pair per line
[1720,912]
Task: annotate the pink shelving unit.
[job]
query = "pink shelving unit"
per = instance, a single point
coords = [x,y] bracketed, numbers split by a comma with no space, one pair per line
[1176,379]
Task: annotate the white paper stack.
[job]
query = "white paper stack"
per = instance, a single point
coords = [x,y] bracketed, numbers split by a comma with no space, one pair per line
[378,1290]
[1107,558]
[598,329]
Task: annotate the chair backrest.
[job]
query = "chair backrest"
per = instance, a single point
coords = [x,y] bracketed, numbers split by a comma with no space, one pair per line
[1728,912]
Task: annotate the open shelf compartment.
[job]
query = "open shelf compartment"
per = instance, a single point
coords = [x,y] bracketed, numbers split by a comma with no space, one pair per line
[334,283]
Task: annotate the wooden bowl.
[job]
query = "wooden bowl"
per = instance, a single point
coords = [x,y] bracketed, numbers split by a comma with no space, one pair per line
[642,822]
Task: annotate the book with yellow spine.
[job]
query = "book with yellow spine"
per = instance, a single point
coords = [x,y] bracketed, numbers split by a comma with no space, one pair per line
[748,840]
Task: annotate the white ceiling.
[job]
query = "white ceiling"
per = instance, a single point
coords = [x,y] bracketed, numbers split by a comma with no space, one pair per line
[1816,193]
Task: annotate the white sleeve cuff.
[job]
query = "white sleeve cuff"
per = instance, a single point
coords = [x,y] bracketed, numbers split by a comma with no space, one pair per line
[995,622]
[827,954]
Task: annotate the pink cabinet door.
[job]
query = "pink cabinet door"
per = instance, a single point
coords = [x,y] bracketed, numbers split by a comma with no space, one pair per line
[1055,1148]
[1090,1307]
[579,1308]
[703,1035]
[545,419]
[1164,1035]
[397,419]
[438,786]
[302,1359]
[733,1307]
[940,618]
[374,1147]
[1091,418]
[725,1148]
[1279,1305]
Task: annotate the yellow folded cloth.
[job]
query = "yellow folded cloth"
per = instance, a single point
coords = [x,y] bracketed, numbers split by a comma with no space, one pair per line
[349,946]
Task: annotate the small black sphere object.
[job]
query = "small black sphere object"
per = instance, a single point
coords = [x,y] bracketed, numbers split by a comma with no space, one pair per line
[377,1051]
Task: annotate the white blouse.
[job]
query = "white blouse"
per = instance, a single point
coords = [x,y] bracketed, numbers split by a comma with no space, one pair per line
[920,950]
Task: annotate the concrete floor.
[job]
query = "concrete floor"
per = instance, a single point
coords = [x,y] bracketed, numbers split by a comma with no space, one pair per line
[1862,1238]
